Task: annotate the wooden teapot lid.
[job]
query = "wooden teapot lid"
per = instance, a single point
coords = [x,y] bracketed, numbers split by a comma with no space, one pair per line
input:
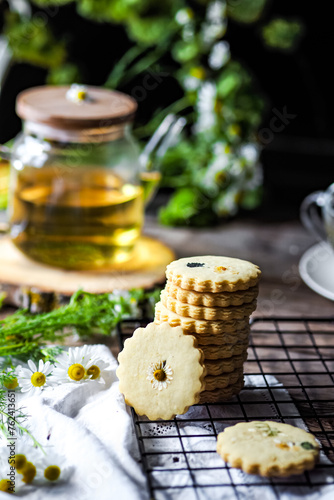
[50,105]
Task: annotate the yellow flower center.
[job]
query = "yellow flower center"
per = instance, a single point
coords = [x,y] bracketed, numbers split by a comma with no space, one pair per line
[81,94]
[11,384]
[93,372]
[20,462]
[5,486]
[52,472]
[38,379]
[198,72]
[160,375]
[76,372]
[29,472]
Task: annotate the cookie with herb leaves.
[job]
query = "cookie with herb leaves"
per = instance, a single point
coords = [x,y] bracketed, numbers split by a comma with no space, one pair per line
[207,313]
[281,449]
[210,273]
[209,299]
[160,371]
[199,325]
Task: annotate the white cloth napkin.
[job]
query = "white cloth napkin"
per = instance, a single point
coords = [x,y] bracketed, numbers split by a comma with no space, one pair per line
[90,425]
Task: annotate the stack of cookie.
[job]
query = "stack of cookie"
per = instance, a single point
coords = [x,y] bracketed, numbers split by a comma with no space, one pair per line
[212,298]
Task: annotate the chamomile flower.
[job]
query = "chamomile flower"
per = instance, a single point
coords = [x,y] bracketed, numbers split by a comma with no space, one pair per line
[51,468]
[216,11]
[78,365]
[77,93]
[34,379]
[9,479]
[206,105]
[219,55]
[160,375]
[184,16]
[9,379]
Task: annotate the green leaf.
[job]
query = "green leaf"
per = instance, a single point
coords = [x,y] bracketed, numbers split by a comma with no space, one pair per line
[50,3]
[184,52]
[188,206]
[307,446]
[150,30]
[64,75]
[245,11]
[23,335]
[2,298]
[282,34]
[32,41]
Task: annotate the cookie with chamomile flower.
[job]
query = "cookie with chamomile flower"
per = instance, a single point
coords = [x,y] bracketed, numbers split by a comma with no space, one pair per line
[211,273]
[281,449]
[160,371]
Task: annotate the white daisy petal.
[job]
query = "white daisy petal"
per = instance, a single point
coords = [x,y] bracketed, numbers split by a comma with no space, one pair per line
[32,366]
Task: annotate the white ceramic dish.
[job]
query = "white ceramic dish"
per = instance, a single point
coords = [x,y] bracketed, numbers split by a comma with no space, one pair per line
[316,268]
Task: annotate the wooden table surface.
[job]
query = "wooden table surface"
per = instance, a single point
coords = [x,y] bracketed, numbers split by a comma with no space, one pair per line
[275,247]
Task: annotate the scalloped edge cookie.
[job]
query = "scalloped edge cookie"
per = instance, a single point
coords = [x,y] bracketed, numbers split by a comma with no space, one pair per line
[221,395]
[215,352]
[208,299]
[213,382]
[162,314]
[161,372]
[211,273]
[207,313]
[219,366]
[281,449]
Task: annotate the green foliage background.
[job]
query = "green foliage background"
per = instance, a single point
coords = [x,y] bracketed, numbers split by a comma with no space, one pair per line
[214,168]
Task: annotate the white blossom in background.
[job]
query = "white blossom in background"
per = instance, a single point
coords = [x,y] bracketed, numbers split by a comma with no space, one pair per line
[218,170]
[237,170]
[192,83]
[220,55]
[206,102]
[250,152]
[188,32]
[214,27]
[256,179]
[216,11]
[184,16]
[227,202]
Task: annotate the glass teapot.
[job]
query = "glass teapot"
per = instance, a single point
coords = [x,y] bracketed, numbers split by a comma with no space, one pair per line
[76,195]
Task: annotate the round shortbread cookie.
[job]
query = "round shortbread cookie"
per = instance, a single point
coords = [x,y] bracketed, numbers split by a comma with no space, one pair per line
[221,395]
[198,325]
[219,366]
[281,449]
[207,313]
[209,273]
[221,381]
[160,371]
[207,299]
[225,351]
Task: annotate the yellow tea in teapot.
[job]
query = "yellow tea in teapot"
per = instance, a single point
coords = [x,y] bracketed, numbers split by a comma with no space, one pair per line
[82,219]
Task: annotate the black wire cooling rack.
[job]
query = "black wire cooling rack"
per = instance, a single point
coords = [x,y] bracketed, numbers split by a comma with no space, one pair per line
[289,378]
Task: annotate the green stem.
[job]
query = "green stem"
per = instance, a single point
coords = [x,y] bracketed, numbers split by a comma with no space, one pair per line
[175,107]
[23,429]
[15,346]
